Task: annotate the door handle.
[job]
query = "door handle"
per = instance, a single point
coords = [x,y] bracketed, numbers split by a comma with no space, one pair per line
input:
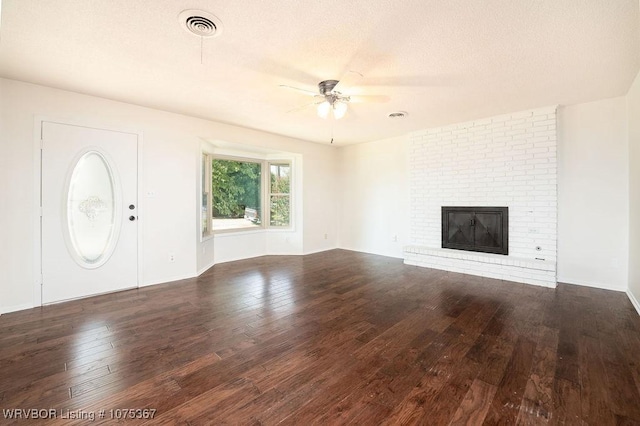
[132,218]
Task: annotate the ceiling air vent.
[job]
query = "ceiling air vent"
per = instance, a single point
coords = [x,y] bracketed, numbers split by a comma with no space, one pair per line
[397,114]
[200,23]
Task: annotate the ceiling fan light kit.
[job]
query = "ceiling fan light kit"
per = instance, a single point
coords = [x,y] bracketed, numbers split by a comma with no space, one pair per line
[334,100]
[337,107]
[323,109]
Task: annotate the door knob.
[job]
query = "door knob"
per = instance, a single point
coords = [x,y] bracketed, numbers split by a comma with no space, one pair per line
[132,218]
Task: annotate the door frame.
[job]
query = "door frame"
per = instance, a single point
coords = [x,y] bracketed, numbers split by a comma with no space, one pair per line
[37,197]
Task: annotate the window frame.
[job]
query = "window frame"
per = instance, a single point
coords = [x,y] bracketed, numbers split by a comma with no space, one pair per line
[287,163]
[206,218]
[209,231]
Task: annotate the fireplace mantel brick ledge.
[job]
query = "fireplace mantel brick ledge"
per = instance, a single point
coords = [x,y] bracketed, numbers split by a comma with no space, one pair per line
[509,268]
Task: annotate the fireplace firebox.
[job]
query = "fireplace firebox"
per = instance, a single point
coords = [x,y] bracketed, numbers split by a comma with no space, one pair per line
[482,229]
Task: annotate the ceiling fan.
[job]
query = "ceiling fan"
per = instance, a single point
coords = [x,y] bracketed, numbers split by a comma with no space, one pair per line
[330,100]
[327,100]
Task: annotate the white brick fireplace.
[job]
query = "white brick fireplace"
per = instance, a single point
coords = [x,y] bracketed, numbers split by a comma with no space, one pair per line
[509,161]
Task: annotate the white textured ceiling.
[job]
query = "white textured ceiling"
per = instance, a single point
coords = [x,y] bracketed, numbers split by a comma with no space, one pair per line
[442,61]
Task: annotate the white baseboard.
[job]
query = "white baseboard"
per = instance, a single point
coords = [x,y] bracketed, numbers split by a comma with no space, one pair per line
[634,301]
[168,280]
[15,308]
[589,284]
[237,258]
[285,253]
[206,268]
[318,251]
[377,253]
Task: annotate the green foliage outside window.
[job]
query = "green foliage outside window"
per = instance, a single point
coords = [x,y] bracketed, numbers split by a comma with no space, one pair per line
[236,186]
[279,211]
[236,191]
[279,203]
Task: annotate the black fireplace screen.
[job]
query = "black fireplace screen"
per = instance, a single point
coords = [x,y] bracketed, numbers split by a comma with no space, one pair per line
[483,229]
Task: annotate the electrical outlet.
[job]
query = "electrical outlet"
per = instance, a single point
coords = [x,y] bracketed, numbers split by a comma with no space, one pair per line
[172,257]
[326,236]
[394,238]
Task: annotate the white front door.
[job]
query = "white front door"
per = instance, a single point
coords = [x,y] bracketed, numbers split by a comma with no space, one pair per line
[89,211]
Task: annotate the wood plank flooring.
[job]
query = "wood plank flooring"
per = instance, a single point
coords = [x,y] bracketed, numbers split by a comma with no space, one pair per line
[332,338]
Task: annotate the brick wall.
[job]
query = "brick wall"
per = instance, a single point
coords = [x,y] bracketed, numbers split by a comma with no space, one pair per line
[508,160]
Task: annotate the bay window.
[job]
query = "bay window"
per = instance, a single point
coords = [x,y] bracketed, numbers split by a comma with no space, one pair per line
[240,194]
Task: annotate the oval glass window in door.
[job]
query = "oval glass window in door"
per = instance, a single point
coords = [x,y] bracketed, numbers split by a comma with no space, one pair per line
[91,210]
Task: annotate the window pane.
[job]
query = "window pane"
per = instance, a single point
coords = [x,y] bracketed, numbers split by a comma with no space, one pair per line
[205,198]
[279,214]
[279,178]
[205,222]
[91,208]
[236,194]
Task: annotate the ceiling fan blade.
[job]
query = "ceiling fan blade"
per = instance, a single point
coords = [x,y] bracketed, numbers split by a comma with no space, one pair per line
[439,80]
[297,89]
[369,98]
[300,108]
[348,80]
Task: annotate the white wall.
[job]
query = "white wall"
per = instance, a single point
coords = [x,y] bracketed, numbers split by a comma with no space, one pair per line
[374,197]
[320,203]
[593,190]
[170,169]
[633,111]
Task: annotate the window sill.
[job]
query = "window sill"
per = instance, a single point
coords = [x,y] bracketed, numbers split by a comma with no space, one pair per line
[276,229]
[207,237]
[239,232]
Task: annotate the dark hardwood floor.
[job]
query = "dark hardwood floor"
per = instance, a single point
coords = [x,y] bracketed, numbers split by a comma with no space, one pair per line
[332,338]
